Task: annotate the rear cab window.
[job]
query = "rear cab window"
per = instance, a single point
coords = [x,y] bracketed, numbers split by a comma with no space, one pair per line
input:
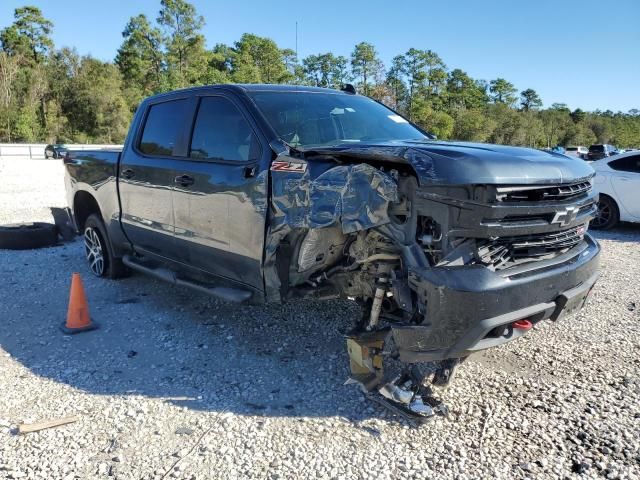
[162,126]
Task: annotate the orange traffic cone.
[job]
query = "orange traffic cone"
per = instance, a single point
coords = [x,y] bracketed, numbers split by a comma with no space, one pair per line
[78,319]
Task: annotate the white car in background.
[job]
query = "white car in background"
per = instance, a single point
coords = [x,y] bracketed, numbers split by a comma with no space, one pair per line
[617,181]
[578,152]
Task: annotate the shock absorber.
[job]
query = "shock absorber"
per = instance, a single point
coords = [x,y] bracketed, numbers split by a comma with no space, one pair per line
[376,306]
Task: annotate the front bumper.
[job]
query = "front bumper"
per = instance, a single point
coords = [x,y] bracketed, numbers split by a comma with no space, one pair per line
[466,304]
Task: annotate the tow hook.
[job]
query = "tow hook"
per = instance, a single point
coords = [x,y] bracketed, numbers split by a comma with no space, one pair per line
[523,324]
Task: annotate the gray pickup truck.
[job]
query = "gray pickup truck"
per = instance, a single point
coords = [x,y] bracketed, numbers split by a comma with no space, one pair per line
[265,193]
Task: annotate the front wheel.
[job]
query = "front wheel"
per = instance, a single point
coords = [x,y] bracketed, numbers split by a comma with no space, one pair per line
[607,215]
[100,258]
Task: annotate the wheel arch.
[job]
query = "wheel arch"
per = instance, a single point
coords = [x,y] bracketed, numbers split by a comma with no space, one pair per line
[610,197]
[84,204]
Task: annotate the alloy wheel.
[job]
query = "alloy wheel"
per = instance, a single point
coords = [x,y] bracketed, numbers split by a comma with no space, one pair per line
[603,215]
[94,251]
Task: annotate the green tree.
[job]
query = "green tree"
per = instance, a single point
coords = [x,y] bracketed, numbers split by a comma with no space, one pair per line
[508,128]
[325,70]
[140,56]
[366,65]
[29,35]
[556,122]
[9,66]
[436,73]
[530,100]
[259,60]
[463,91]
[533,129]
[578,134]
[439,123]
[395,81]
[63,65]
[502,91]
[472,125]
[578,115]
[414,63]
[186,57]
[97,110]
[28,40]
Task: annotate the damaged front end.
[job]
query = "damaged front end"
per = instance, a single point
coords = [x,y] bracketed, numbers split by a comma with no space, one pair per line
[440,270]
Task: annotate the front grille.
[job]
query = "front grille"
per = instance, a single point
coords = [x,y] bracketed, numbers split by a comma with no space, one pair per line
[536,193]
[506,251]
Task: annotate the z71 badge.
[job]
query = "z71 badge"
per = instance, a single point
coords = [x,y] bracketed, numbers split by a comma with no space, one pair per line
[297,167]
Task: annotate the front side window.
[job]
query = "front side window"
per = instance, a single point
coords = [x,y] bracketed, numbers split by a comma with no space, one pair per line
[162,127]
[309,119]
[222,133]
[627,164]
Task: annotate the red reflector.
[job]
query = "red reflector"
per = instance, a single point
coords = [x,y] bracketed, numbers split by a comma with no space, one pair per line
[522,324]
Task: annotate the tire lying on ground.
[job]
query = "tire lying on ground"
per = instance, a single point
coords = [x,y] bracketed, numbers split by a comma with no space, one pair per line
[26,236]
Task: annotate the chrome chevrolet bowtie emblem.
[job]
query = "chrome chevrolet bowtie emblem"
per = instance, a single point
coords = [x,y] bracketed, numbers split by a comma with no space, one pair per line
[566,216]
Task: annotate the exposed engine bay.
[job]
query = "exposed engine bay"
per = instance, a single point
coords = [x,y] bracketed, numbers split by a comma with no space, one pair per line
[406,253]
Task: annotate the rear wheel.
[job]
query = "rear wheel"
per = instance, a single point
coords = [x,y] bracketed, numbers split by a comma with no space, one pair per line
[608,214]
[98,252]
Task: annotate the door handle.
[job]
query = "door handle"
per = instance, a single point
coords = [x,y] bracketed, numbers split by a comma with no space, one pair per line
[184,180]
[128,173]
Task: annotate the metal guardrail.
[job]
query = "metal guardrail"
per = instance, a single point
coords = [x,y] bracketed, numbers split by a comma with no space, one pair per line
[36,150]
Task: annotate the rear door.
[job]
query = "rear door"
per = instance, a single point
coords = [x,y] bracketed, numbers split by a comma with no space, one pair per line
[146,177]
[625,179]
[220,206]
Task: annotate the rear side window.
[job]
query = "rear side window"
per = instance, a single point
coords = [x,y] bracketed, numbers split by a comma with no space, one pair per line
[222,133]
[162,127]
[627,164]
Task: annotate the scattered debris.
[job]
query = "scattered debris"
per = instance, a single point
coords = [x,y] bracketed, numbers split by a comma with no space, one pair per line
[131,354]
[126,301]
[36,427]
[184,431]
[190,451]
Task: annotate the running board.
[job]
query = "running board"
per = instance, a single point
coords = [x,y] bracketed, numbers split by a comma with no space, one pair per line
[224,293]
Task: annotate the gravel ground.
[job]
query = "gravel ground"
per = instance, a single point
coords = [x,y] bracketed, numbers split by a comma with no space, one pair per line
[175,384]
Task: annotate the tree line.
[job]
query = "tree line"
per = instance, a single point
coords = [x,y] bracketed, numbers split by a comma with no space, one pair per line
[56,95]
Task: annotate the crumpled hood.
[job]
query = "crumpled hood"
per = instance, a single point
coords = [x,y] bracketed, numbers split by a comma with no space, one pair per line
[439,162]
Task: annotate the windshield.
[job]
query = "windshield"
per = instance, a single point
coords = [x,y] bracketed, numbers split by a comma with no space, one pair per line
[596,148]
[306,119]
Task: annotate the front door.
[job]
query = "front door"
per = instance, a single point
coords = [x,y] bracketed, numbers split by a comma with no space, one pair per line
[147,179]
[220,208]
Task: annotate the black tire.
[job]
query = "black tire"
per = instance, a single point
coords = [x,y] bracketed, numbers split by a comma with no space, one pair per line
[608,214]
[27,236]
[98,250]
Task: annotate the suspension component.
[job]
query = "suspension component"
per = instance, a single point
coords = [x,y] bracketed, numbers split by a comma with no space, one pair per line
[376,306]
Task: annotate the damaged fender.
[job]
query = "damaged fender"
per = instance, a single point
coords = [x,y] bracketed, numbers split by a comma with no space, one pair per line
[312,195]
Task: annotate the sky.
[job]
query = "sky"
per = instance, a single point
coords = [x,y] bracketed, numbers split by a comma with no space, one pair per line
[585,53]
